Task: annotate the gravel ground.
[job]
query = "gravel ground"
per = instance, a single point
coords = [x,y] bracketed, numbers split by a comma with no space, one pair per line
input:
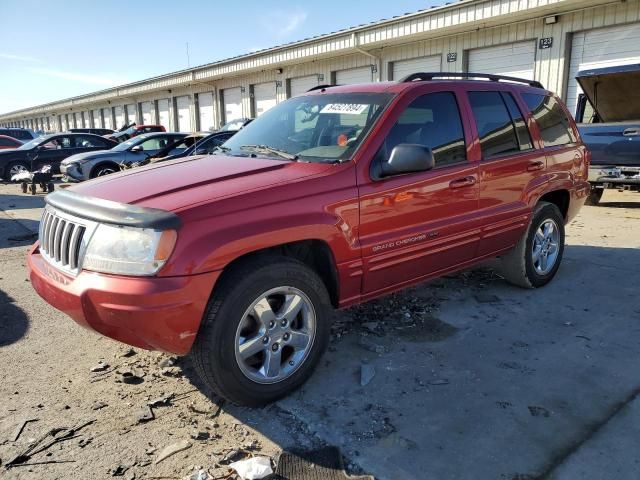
[57,375]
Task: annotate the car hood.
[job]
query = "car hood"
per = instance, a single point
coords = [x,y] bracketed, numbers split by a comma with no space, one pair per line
[614,92]
[176,184]
[90,156]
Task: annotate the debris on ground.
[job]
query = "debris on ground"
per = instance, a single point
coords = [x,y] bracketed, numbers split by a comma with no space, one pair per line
[254,468]
[163,401]
[98,405]
[130,352]
[145,414]
[367,372]
[131,376]
[20,428]
[325,463]
[536,411]
[100,367]
[232,456]
[199,435]
[172,449]
[486,298]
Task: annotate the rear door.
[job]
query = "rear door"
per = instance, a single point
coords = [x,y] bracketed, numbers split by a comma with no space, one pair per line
[419,224]
[509,166]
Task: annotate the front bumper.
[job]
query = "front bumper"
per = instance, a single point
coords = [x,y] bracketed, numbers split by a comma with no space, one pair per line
[154,313]
[72,171]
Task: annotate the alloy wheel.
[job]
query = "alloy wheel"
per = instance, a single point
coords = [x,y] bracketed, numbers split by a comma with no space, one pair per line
[545,247]
[275,335]
[16,169]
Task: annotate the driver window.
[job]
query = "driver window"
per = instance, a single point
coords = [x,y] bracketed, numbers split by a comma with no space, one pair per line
[432,120]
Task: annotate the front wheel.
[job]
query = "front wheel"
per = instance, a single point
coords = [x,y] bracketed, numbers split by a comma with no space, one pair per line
[535,259]
[264,331]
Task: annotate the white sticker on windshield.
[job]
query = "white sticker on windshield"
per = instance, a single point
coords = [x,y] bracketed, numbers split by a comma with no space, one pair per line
[344,108]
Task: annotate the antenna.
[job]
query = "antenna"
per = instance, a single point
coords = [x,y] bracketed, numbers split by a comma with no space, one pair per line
[188,61]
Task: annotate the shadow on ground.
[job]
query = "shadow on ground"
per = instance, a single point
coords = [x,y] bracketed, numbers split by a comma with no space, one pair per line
[17,233]
[14,323]
[473,378]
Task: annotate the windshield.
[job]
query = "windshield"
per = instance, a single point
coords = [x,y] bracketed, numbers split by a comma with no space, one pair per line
[32,143]
[314,128]
[129,143]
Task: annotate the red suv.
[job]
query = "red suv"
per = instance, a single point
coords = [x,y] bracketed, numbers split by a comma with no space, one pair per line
[329,199]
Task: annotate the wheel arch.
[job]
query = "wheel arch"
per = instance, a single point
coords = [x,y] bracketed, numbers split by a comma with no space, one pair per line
[102,163]
[560,198]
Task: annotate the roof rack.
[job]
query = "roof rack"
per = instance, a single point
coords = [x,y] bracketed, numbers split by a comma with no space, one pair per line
[422,76]
[320,87]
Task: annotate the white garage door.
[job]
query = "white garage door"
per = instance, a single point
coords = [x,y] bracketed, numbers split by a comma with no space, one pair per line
[97,119]
[119,117]
[65,123]
[205,106]
[604,47]
[354,75]
[147,114]
[131,113]
[232,98]
[184,113]
[106,114]
[513,59]
[402,68]
[78,117]
[164,118]
[300,85]
[264,97]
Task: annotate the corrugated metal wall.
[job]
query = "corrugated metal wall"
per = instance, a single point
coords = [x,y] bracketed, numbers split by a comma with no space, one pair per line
[464,26]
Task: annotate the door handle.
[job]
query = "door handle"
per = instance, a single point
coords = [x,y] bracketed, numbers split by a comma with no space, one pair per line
[535,165]
[631,132]
[462,182]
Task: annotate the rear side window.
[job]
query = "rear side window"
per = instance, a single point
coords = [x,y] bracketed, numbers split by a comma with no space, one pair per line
[554,125]
[432,120]
[500,125]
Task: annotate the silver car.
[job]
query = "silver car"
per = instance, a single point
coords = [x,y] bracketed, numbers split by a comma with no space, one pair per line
[88,165]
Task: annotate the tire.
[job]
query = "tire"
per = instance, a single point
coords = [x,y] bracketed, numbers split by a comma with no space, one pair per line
[24,187]
[594,196]
[50,187]
[104,169]
[519,266]
[15,167]
[32,188]
[230,320]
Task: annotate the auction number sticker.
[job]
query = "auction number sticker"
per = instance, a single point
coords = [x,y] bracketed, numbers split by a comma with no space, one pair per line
[344,108]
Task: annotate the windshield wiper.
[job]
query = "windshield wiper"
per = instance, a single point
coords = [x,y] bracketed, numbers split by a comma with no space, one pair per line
[270,150]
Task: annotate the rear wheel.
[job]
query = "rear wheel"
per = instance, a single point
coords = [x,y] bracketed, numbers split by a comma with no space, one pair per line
[536,258]
[104,169]
[264,331]
[595,196]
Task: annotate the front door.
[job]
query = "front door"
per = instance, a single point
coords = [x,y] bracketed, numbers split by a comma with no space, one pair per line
[418,224]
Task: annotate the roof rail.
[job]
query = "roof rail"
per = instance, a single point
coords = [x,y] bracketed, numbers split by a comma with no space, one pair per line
[320,87]
[422,76]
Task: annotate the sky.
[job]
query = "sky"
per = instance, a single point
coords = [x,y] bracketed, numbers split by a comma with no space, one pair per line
[51,50]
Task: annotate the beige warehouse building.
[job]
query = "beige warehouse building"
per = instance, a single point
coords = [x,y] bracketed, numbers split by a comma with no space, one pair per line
[544,40]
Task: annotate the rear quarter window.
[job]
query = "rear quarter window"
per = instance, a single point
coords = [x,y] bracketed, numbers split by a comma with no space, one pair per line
[553,123]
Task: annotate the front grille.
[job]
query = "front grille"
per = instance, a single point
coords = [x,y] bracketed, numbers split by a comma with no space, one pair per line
[61,240]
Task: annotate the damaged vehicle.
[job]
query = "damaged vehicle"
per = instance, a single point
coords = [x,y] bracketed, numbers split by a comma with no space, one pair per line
[331,198]
[608,116]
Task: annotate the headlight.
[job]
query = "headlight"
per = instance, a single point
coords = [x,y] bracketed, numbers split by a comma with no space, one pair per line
[127,250]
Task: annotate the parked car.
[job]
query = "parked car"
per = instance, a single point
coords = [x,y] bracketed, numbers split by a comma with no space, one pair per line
[97,164]
[608,117]
[134,131]
[7,142]
[22,134]
[331,198]
[95,131]
[49,150]
[195,144]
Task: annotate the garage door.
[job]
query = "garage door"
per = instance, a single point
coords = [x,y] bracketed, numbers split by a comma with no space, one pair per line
[65,124]
[164,117]
[131,113]
[605,47]
[264,97]
[78,117]
[232,98]
[205,107]
[184,113]
[300,85]
[354,75]
[513,59]
[402,68]
[106,115]
[119,123]
[147,115]
[97,119]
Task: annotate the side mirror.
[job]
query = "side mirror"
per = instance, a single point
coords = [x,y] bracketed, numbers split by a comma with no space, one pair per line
[407,158]
[137,149]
